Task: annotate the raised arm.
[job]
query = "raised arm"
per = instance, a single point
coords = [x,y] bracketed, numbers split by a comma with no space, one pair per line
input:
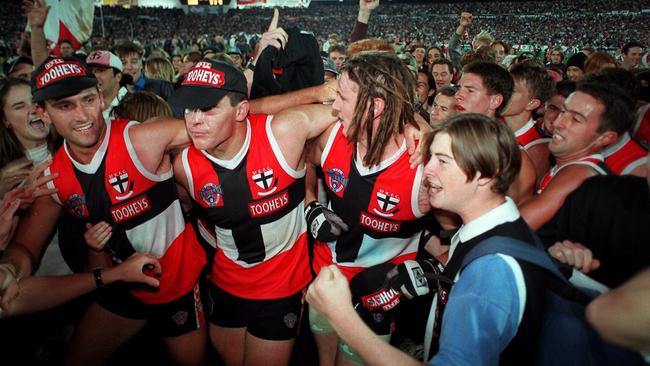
[36,12]
[360,30]
[156,137]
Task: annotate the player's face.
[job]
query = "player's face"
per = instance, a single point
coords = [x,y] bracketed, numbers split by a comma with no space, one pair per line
[575,129]
[346,101]
[18,112]
[472,96]
[443,107]
[447,184]
[211,129]
[78,118]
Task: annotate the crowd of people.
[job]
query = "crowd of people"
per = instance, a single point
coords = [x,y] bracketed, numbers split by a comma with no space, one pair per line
[230,192]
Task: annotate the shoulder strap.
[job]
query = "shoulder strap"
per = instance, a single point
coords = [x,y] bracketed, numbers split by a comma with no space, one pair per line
[555,280]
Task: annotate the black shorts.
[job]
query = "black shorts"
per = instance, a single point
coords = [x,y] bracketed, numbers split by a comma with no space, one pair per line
[175,318]
[275,319]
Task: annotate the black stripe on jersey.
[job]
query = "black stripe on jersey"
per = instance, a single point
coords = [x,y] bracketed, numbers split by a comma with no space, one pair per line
[234,214]
[356,199]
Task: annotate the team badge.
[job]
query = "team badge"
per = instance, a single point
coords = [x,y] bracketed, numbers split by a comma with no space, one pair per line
[336,180]
[180,318]
[211,194]
[386,203]
[120,182]
[290,320]
[76,204]
[265,180]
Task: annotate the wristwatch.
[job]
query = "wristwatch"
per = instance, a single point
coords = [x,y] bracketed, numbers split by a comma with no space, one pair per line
[250,65]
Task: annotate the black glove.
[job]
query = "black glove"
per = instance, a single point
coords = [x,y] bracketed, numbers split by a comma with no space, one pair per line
[323,224]
[410,277]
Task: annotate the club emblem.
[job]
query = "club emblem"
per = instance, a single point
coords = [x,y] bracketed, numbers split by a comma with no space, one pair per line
[76,205]
[290,320]
[336,180]
[387,204]
[180,318]
[265,180]
[120,182]
[211,194]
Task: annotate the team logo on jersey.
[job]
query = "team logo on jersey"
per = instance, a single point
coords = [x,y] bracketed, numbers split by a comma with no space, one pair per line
[120,182]
[211,194]
[76,204]
[336,180]
[265,179]
[387,203]
[290,320]
[180,318]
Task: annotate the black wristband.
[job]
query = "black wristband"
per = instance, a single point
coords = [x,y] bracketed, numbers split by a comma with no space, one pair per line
[97,273]
[250,65]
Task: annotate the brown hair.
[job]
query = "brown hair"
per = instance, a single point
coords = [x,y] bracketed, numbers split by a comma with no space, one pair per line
[482,145]
[599,60]
[369,44]
[159,68]
[142,105]
[538,82]
[380,75]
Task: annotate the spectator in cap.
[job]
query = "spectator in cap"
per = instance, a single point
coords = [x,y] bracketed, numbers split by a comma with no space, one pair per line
[20,67]
[235,55]
[575,66]
[331,72]
[107,68]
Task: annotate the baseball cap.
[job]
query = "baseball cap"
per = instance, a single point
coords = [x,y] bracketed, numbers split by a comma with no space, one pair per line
[11,63]
[328,65]
[104,59]
[577,60]
[233,50]
[59,77]
[206,83]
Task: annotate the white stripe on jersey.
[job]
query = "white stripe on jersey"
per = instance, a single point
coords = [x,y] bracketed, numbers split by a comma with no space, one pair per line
[159,232]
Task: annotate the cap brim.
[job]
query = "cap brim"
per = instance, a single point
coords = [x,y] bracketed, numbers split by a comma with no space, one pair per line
[64,88]
[195,97]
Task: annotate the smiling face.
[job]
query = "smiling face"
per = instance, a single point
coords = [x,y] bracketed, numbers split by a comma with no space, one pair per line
[132,65]
[77,118]
[575,129]
[19,116]
[443,107]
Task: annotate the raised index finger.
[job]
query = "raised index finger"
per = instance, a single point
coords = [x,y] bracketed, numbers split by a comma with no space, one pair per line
[274,20]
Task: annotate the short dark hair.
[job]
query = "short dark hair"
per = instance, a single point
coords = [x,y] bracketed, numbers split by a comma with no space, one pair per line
[482,145]
[444,61]
[631,44]
[565,88]
[448,91]
[625,80]
[618,115]
[127,48]
[505,46]
[538,81]
[495,79]
[337,48]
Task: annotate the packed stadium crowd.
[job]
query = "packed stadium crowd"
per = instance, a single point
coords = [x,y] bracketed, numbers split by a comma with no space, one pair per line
[379,184]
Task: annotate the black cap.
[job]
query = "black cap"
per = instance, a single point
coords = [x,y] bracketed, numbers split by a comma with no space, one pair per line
[206,83]
[577,60]
[11,63]
[60,77]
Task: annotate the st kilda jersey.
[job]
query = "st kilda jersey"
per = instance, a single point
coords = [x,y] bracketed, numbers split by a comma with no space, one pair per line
[595,161]
[255,203]
[379,205]
[142,208]
[625,155]
[530,135]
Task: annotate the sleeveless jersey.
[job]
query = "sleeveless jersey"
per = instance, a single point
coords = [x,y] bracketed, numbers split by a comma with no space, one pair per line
[642,125]
[595,161]
[625,155]
[530,135]
[379,205]
[143,209]
[255,203]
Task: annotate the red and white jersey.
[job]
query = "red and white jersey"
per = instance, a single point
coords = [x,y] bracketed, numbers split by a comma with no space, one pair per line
[255,204]
[379,205]
[595,161]
[625,155]
[142,207]
[530,135]
[641,131]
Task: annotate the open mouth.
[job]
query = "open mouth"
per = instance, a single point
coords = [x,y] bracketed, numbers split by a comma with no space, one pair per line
[36,123]
[459,108]
[83,128]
